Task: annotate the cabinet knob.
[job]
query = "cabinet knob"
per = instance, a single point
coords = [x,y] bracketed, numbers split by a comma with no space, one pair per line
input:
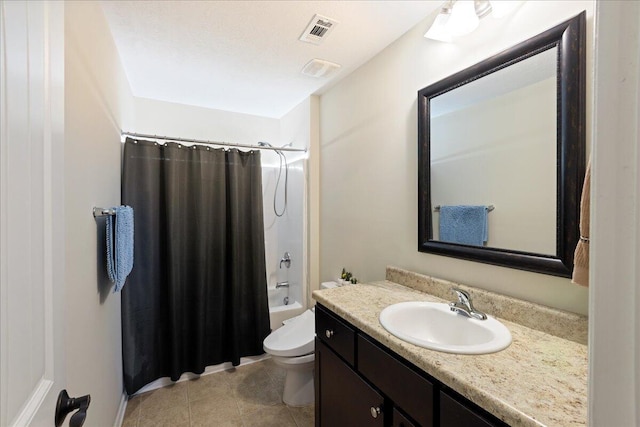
[328,333]
[375,411]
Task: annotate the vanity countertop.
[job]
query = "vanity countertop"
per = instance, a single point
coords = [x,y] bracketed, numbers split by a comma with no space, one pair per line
[539,380]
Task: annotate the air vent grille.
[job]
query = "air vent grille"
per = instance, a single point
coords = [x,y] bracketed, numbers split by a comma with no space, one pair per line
[318,29]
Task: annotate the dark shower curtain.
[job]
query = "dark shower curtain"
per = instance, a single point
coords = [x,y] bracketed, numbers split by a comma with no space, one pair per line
[197,294]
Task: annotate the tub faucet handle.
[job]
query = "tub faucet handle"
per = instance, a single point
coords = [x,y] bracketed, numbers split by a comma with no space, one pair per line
[286,259]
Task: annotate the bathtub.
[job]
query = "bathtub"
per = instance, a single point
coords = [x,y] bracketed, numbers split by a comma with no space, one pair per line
[281,307]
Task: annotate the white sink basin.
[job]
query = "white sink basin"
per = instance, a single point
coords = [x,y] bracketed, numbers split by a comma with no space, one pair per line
[434,326]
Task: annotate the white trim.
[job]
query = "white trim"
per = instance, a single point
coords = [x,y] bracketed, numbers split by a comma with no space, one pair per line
[48,206]
[313,198]
[29,410]
[122,409]
[306,286]
[4,364]
[636,303]
[614,319]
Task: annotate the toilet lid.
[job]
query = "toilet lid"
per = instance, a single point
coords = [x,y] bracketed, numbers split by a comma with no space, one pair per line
[293,339]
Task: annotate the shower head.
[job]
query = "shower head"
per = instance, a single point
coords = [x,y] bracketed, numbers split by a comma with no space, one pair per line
[276,149]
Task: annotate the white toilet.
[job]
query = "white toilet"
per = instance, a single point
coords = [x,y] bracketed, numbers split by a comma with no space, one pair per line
[292,347]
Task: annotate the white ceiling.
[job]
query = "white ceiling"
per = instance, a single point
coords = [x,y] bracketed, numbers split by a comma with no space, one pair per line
[245,56]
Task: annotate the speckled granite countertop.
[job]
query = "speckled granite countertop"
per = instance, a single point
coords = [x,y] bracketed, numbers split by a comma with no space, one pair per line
[539,380]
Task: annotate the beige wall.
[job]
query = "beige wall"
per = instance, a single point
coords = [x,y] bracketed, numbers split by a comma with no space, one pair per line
[186,121]
[97,101]
[368,127]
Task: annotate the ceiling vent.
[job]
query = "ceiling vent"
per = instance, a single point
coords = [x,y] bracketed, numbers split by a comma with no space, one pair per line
[319,68]
[318,29]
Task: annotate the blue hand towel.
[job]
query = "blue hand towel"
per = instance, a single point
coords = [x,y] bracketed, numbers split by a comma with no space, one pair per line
[464,224]
[120,245]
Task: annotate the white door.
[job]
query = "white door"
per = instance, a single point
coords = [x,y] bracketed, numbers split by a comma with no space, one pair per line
[31,213]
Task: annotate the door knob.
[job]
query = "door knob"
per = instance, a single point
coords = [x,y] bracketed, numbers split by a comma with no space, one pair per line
[67,405]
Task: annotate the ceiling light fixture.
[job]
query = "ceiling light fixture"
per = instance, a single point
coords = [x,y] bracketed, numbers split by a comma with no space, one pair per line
[460,17]
[438,30]
[463,19]
[483,8]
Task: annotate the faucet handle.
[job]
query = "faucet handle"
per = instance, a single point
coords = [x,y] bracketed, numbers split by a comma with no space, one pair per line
[464,305]
[286,259]
[463,296]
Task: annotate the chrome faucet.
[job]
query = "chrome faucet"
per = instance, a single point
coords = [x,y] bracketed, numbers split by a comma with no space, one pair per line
[464,305]
[282,285]
[286,258]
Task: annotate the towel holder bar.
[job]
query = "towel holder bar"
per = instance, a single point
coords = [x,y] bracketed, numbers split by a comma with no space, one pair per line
[489,208]
[103,212]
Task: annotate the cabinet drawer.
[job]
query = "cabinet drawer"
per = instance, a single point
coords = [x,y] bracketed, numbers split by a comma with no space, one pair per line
[406,388]
[336,334]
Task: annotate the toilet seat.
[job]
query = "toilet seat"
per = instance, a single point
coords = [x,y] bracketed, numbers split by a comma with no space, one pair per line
[298,360]
[296,338]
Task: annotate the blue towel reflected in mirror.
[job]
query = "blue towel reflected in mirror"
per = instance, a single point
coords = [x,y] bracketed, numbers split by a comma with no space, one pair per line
[464,224]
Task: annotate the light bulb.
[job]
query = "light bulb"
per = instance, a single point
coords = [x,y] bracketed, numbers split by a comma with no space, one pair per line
[438,30]
[463,18]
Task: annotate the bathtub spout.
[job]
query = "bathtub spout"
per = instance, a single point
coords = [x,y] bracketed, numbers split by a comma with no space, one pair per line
[282,285]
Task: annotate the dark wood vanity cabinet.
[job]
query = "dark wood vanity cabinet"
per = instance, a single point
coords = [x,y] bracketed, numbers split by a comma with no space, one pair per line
[404,387]
[359,382]
[338,334]
[453,413]
[344,398]
[399,420]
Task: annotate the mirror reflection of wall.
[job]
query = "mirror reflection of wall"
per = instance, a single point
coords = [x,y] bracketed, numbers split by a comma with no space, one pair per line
[494,142]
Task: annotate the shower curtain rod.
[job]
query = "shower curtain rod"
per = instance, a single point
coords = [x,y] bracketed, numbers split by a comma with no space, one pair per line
[200,141]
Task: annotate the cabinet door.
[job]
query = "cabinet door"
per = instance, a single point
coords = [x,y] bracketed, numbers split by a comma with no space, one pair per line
[456,414]
[399,420]
[407,389]
[342,397]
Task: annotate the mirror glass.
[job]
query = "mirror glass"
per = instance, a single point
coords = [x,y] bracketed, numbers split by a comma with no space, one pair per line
[501,155]
[493,143]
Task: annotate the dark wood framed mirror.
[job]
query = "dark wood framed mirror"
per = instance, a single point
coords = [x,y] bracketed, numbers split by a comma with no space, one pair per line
[508,134]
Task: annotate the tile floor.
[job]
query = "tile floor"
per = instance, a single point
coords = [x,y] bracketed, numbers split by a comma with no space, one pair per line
[248,396]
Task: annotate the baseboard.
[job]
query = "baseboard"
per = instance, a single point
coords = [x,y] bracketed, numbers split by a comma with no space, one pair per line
[121,411]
